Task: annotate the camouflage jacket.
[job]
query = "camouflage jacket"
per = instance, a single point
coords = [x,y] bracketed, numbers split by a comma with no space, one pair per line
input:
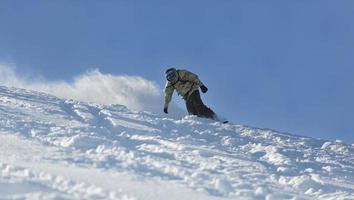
[187,83]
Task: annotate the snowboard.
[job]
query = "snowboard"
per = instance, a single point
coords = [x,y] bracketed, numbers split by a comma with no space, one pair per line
[224,121]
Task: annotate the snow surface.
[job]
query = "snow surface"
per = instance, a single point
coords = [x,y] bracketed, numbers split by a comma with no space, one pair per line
[52,148]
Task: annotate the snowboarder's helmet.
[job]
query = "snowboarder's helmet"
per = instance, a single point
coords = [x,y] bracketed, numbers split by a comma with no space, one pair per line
[171,75]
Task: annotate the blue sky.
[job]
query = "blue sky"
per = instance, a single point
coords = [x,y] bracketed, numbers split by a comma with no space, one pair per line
[279,64]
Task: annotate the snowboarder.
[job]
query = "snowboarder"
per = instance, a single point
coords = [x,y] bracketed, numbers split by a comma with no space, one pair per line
[187,85]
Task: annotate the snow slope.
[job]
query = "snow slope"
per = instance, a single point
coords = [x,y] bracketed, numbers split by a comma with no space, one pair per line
[52,148]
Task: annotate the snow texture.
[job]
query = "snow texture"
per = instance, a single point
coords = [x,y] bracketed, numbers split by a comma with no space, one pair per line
[64,149]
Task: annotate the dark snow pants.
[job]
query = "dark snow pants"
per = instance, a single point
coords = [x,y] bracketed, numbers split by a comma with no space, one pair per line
[195,106]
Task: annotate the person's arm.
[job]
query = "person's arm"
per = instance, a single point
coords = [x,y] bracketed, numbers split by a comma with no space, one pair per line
[189,76]
[169,89]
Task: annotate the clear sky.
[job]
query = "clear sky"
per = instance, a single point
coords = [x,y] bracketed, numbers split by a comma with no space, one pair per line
[280,64]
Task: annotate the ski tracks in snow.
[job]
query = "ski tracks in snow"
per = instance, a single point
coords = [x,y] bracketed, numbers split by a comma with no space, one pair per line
[64,149]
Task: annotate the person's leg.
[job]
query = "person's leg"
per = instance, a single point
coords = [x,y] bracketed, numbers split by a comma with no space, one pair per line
[190,106]
[201,109]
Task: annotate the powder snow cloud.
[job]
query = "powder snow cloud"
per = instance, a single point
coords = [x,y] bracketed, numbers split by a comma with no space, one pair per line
[134,92]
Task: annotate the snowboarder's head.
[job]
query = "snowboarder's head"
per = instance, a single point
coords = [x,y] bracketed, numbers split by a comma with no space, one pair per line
[171,75]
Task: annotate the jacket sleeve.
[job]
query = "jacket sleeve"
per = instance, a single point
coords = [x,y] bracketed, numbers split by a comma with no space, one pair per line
[169,89]
[189,76]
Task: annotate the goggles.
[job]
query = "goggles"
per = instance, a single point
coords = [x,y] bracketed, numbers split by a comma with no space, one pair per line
[171,75]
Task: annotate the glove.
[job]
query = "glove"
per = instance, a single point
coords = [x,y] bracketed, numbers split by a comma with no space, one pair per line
[204,89]
[165,110]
